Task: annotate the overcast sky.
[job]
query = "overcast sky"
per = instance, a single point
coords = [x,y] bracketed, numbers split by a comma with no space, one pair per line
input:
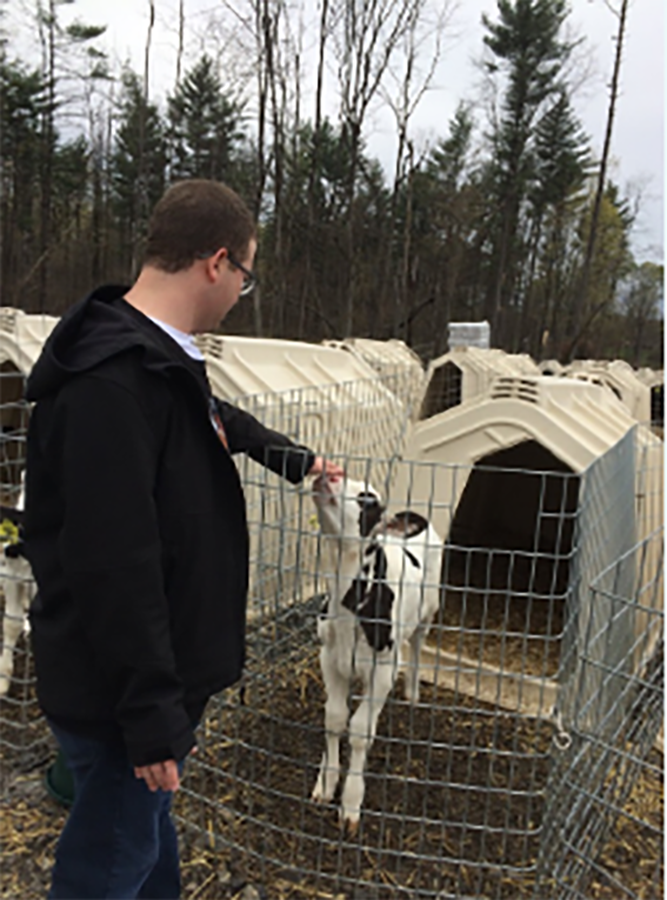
[638,138]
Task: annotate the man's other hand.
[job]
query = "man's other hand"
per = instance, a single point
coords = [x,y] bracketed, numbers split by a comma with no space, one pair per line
[160,776]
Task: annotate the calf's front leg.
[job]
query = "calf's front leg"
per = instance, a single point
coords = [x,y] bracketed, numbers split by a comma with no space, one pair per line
[415,644]
[335,722]
[363,726]
[16,599]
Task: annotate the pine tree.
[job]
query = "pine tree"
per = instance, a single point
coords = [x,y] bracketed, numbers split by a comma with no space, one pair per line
[449,157]
[562,154]
[59,43]
[315,204]
[560,164]
[530,54]
[138,164]
[443,208]
[22,101]
[641,301]
[203,126]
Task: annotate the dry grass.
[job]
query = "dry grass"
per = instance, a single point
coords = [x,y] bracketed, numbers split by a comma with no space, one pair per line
[430,823]
[248,795]
[30,822]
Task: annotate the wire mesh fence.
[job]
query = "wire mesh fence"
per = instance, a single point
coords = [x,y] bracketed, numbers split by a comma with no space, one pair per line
[24,737]
[605,830]
[362,419]
[527,766]
[471,790]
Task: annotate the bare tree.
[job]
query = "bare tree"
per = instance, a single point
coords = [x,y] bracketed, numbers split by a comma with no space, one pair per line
[181,39]
[47,27]
[57,42]
[281,55]
[308,281]
[367,38]
[421,50]
[143,202]
[579,325]
[242,32]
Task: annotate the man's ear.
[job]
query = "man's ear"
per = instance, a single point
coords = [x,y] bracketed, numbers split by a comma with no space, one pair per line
[212,263]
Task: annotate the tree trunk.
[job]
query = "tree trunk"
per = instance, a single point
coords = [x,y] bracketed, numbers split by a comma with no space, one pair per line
[141,207]
[578,325]
[270,29]
[308,281]
[181,33]
[261,152]
[523,337]
[47,163]
[353,133]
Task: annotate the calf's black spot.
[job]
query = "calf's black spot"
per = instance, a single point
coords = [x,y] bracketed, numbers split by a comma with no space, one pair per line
[370,513]
[13,551]
[371,601]
[413,559]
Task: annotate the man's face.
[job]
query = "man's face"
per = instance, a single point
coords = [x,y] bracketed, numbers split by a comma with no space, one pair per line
[230,279]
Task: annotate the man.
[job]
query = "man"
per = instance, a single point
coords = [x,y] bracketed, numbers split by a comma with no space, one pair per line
[136,532]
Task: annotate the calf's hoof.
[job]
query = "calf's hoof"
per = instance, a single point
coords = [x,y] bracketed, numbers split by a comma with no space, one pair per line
[324,790]
[349,823]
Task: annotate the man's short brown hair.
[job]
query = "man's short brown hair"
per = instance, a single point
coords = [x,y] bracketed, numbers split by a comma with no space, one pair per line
[194,218]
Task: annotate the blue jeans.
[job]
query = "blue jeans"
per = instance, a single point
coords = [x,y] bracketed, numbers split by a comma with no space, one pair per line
[119,842]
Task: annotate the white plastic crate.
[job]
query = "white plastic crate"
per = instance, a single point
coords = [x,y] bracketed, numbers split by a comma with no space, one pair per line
[469,334]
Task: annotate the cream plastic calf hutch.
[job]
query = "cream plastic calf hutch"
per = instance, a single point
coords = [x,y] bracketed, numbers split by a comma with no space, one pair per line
[321,396]
[566,423]
[500,478]
[458,376]
[382,356]
[550,367]
[619,377]
[397,364]
[523,363]
[655,381]
[22,337]
[650,376]
[467,372]
[241,366]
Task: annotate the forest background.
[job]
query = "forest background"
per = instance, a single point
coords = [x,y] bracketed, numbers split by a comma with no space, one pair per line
[510,215]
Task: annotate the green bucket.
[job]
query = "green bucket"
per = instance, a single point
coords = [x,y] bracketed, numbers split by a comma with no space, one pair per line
[59,781]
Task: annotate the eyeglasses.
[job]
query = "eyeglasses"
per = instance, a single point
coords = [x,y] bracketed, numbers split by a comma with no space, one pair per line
[250,280]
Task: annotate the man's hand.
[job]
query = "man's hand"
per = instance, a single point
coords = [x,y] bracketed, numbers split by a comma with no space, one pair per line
[323,466]
[160,776]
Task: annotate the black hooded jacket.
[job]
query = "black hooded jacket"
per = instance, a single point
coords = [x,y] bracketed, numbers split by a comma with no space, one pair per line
[135,528]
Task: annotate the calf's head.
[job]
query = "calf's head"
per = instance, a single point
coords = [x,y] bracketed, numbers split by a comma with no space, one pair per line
[346,508]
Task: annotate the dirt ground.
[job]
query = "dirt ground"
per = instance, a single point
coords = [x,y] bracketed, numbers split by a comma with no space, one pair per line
[453,808]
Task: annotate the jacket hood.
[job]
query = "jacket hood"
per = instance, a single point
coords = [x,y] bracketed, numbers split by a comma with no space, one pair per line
[90,332]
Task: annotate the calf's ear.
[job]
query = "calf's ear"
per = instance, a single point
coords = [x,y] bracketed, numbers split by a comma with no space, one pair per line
[408,524]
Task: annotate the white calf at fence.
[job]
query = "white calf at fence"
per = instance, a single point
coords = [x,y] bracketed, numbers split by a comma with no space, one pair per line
[383,594]
[17,586]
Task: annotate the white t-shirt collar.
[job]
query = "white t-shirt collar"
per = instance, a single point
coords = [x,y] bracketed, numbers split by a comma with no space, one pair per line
[182,338]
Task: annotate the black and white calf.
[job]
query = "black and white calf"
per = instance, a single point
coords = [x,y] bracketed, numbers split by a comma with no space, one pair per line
[383,594]
[17,586]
